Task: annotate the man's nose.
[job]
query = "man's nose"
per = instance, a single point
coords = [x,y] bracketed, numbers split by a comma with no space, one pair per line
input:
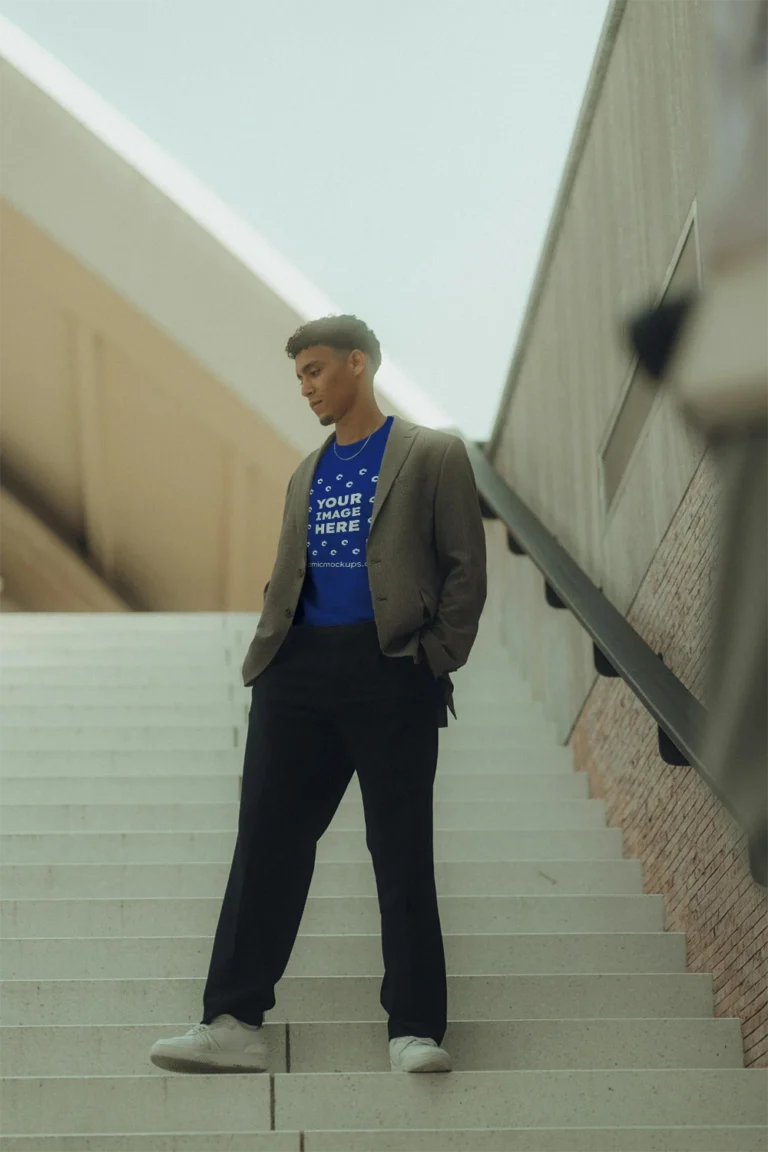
[306,388]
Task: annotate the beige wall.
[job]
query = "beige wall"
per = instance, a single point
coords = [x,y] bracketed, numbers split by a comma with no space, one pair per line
[40,572]
[166,479]
[627,203]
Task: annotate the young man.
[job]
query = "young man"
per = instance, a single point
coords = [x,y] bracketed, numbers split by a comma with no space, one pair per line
[374,599]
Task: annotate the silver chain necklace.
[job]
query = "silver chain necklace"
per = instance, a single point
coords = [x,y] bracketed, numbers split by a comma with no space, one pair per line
[344,459]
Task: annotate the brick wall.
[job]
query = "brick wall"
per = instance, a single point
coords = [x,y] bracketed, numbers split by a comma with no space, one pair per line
[692,852]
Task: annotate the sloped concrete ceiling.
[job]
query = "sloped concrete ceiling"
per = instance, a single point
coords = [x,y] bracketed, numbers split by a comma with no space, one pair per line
[148,410]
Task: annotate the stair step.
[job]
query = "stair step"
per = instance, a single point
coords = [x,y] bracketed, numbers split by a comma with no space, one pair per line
[530,1044]
[68,716]
[132,623]
[354,1100]
[502,815]
[523,1099]
[217,659]
[503,786]
[500,729]
[154,957]
[127,738]
[171,847]
[466,736]
[222,788]
[351,878]
[229,761]
[162,1142]
[332,915]
[477,710]
[122,1050]
[603,1139]
[120,1104]
[351,998]
[109,696]
[522,758]
[510,1139]
[109,1050]
[133,675]
[187,738]
[163,695]
[59,645]
[645,1139]
[142,765]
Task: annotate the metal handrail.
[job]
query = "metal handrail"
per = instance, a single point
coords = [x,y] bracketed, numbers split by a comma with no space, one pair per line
[681,719]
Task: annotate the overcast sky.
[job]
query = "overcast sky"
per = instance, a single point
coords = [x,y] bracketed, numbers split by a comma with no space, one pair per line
[403,154]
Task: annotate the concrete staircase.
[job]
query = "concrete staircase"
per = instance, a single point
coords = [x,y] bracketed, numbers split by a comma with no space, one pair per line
[574,1023]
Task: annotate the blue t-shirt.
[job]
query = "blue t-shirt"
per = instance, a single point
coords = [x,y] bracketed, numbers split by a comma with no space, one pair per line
[336,589]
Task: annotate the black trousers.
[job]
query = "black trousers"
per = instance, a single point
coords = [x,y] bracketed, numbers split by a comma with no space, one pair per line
[329,705]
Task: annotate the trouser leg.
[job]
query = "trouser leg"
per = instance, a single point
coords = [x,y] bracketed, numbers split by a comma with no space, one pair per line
[392,738]
[294,776]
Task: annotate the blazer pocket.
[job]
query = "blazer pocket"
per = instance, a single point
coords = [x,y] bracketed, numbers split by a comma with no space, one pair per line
[429,602]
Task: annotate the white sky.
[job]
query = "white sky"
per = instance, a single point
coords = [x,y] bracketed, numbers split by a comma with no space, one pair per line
[403,154]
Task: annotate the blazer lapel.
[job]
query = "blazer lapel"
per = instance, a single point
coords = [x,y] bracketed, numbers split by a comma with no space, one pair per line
[399,443]
[303,485]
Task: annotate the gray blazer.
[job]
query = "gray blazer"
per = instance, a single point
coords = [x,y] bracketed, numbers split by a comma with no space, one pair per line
[426,555]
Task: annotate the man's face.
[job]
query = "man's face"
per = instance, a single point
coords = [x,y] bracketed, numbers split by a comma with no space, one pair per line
[330,380]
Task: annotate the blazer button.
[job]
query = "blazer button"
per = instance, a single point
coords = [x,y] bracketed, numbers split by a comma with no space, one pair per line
[288,613]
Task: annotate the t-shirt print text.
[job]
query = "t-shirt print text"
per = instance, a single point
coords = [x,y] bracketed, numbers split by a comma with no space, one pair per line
[340,511]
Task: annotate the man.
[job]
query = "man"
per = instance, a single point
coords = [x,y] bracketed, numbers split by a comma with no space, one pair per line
[374,599]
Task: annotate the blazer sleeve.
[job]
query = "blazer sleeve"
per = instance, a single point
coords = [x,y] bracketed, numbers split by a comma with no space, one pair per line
[461,552]
[285,514]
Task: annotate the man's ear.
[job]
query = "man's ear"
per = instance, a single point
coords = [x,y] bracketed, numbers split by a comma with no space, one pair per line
[357,362]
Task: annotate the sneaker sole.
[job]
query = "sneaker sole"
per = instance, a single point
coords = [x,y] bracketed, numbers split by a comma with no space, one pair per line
[207,1065]
[436,1063]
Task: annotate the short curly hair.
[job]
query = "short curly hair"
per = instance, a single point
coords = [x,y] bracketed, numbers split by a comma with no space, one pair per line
[344,333]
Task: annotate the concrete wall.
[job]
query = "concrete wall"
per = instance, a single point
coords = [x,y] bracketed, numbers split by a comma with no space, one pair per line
[624,230]
[628,204]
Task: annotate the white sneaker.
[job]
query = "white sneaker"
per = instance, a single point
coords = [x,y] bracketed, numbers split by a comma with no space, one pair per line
[418,1054]
[224,1045]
